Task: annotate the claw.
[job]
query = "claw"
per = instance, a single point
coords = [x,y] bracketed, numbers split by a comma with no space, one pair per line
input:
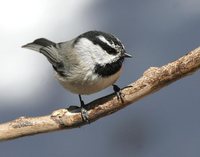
[84,115]
[118,92]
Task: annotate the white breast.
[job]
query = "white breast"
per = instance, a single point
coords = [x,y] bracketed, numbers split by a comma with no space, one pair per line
[85,87]
[80,63]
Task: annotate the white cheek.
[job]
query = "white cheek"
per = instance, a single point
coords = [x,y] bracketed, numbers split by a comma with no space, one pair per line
[91,53]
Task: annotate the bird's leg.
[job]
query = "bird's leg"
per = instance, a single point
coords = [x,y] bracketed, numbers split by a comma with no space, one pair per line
[84,113]
[118,92]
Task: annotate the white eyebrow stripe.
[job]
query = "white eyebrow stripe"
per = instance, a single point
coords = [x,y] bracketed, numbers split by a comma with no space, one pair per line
[103,39]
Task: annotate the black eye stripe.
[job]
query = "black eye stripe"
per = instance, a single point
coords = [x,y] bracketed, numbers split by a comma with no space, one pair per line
[104,46]
[93,36]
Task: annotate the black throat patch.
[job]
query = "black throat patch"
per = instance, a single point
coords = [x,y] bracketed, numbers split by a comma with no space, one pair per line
[109,68]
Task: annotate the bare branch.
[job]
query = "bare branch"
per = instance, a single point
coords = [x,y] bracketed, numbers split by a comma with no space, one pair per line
[152,80]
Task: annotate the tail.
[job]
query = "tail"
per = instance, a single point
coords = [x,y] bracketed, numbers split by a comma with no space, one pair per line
[47,48]
[38,44]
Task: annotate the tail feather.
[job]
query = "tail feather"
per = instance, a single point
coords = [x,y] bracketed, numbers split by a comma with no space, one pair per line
[38,44]
[44,42]
[47,48]
[32,46]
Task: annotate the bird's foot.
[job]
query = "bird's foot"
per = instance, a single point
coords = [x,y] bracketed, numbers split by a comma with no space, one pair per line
[84,115]
[77,109]
[118,92]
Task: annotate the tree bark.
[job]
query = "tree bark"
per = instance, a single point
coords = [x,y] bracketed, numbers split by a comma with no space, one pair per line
[152,80]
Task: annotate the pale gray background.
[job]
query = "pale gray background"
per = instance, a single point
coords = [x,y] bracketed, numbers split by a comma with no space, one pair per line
[165,124]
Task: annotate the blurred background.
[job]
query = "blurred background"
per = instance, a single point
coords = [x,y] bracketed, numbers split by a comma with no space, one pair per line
[155,32]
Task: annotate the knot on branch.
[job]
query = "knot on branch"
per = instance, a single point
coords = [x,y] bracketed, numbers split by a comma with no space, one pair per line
[65,118]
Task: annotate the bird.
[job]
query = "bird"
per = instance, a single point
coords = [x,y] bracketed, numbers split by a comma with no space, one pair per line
[86,64]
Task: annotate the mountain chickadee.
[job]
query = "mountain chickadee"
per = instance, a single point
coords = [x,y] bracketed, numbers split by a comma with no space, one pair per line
[86,64]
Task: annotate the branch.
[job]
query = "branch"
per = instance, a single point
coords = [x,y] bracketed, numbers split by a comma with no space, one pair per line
[152,80]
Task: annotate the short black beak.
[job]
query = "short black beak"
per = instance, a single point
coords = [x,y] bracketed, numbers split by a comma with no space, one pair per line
[126,55]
